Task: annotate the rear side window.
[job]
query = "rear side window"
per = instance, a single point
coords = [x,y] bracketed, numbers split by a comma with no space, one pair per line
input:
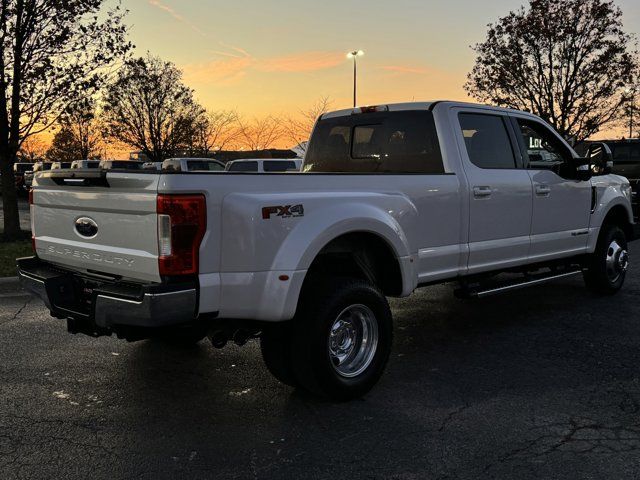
[203,165]
[625,152]
[377,142]
[278,166]
[244,167]
[487,141]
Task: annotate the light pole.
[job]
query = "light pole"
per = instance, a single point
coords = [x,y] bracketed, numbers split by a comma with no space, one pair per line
[355,54]
[631,95]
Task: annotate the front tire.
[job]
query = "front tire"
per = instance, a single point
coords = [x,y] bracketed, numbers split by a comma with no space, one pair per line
[342,337]
[606,267]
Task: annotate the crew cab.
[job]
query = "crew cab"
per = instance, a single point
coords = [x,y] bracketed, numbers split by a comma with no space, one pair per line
[390,198]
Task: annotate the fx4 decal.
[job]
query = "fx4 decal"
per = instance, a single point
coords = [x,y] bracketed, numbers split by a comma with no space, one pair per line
[284,211]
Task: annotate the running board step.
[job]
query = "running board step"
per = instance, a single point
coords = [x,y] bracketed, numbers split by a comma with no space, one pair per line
[477,291]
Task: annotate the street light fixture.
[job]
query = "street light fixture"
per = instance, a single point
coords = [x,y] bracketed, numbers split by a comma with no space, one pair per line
[355,54]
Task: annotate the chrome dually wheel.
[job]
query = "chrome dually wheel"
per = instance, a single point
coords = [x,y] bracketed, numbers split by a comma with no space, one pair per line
[353,340]
[606,268]
[617,261]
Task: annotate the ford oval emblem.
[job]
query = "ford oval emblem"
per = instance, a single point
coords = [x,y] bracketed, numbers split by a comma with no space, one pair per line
[86,227]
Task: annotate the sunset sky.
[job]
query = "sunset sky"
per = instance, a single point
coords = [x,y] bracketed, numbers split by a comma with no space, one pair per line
[263,57]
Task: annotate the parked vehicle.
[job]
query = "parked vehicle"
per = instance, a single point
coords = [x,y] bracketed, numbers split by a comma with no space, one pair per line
[152,166]
[82,164]
[391,198]
[626,162]
[60,165]
[120,165]
[20,169]
[192,165]
[265,165]
[37,167]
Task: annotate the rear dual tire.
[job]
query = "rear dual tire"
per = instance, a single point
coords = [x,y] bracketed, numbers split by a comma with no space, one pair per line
[339,342]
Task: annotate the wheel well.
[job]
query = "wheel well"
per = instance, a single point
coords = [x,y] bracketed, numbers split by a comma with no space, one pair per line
[618,216]
[361,255]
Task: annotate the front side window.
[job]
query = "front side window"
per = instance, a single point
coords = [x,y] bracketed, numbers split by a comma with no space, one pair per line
[544,150]
[376,142]
[487,141]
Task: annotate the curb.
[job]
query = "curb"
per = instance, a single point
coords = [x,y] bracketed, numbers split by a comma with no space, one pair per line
[8,280]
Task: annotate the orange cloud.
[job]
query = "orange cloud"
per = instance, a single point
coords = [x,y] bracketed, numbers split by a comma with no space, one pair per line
[302,62]
[225,71]
[175,15]
[403,69]
[234,65]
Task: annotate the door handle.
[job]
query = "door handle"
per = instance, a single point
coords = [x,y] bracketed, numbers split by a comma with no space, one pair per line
[482,192]
[543,190]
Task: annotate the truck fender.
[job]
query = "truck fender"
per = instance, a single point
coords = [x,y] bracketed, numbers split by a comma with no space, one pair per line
[310,236]
[609,197]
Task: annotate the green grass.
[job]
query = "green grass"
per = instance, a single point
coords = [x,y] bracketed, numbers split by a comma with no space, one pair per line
[9,251]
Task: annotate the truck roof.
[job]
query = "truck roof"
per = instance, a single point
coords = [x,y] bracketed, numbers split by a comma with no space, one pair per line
[429,105]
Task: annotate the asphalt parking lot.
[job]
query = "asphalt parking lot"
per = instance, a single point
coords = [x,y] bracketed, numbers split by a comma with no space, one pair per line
[539,383]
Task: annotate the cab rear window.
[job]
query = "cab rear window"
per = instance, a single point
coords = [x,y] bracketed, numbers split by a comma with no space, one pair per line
[377,142]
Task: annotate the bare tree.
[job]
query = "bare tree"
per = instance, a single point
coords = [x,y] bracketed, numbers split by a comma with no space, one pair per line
[33,149]
[297,129]
[260,133]
[64,147]
[83,123]
[149,108]
[214,131]
[52,53]
[630,118]
[567,61]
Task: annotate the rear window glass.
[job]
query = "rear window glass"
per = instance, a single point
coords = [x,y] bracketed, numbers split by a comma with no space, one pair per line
[203,165]
[124,165]
[380,142]
[244,167]
[278,166]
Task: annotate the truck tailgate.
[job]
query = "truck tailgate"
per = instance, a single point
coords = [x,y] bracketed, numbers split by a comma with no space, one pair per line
[102,224]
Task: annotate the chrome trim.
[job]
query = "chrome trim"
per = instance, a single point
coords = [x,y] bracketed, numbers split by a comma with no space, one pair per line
[35,286]
[154,309]
[579,232]
[529,283]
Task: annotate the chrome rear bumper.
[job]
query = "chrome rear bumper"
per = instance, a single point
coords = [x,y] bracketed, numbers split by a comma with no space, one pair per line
[105,305]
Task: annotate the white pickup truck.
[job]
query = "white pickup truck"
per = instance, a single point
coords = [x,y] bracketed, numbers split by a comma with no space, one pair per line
[391,198]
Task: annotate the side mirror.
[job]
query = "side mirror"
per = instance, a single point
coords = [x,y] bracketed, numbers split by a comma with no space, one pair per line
[600,158]
[584,170]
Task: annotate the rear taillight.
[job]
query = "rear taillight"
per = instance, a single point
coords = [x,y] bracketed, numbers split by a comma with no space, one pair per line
[32,218]
[182,222]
